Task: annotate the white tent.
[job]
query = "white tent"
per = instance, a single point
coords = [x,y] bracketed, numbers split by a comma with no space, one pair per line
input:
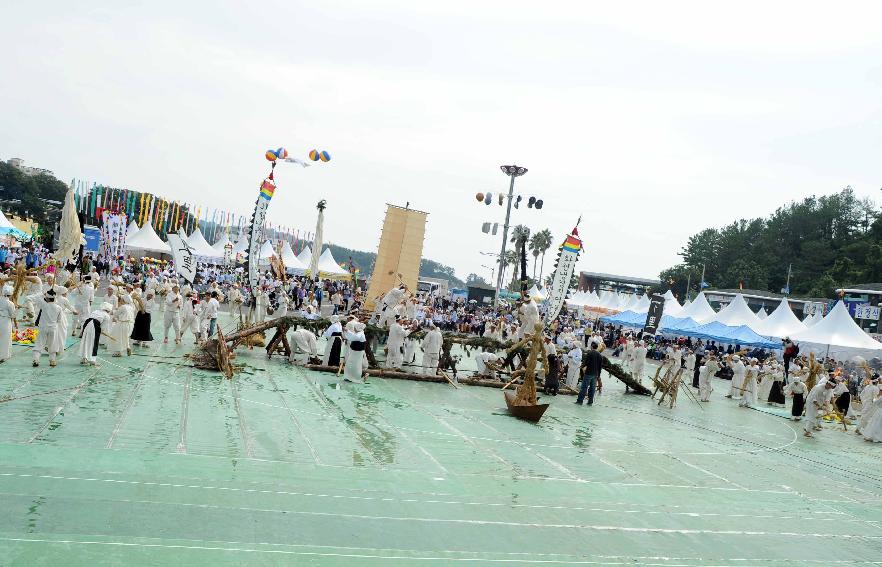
[132,230]
[305,255]
[669,295]
[536,292]
[761,314]
[630,302]
[292,264]
[642,305]
[577,299]
[781,323]
[200,246]
[838,335]
[813,319]
[672,306]
[241,246]
[737,313]
[147,240]
[687,303]
[699,310]
[328,266]
[266,252]
[221,243]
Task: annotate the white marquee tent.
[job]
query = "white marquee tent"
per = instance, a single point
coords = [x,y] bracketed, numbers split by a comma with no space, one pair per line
[241,246]
[147,240]
[737,313]
[761,314]
[839,336]
[221,243]
[292,263]
[266,252]
[813,319]
[305,255]
[781,323]
[699,310]
[132,230]
[328,266]
[200,246]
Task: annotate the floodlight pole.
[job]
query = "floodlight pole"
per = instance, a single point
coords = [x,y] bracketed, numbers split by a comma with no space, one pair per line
[512,171]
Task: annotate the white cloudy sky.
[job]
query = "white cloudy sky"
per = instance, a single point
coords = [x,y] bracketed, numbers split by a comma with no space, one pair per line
[653,120]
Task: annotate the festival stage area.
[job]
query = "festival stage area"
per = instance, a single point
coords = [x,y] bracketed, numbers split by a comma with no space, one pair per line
[145,461]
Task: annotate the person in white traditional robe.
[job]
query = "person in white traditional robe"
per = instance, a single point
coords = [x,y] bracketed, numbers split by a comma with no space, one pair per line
[395,345]
[868,396]
[334,342]
[190,312]
[95,323]
[816,405]
[261,303]
[283,302]
[432,349]
[48,315]
[574,361]
[386,306]
[172,316]
[124,316]
[83,296]
[7,323]
[748,387]
[690,365]
[63,322]
[639,362]
[739,371]
[529,316]
[705,377]
[304,349]
[872,431]
[485,361]
[356,357]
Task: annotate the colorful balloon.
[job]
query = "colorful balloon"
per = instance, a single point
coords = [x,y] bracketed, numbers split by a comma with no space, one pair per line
[479,197]
[271,155]
[488,198]
[281,153]
[325,156]
[314,155]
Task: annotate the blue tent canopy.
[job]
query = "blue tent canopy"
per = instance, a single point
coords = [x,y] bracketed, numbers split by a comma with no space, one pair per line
[715,331]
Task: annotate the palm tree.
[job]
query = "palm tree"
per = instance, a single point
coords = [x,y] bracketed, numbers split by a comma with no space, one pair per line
[534,249]
[510,259]
[540,243]
[520,235]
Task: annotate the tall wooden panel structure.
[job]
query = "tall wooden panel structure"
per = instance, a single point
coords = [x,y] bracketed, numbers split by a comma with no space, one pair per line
[400,251]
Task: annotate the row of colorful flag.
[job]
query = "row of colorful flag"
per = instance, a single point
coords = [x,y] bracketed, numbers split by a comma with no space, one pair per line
[168,216]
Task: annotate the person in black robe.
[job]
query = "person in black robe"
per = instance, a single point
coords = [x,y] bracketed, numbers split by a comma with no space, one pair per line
[698,357]
[141,334]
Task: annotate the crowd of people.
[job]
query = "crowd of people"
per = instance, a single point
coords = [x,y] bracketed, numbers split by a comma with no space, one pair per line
[115,310]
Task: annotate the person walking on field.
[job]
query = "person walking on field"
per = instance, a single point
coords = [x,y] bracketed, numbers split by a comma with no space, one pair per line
[591,366]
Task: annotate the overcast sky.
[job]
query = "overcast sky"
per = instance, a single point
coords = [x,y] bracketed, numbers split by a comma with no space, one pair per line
[652,120]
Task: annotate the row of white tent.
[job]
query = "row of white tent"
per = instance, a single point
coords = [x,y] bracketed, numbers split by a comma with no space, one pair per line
[836,333]
[145,239]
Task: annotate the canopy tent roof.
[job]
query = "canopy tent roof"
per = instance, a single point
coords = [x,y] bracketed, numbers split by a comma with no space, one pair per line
[813,319]
[699,310]
[672,306]
[7,229]
[132,229]
[292,263]
[266,252]
[146,239]
[328,266]
[642,305]
[668,295]
[737,313]
[241,246]
[536,292]
[761,314]
[221,242]
[838,334]
[781,323]
[741,335]
[305,255]
[200,246]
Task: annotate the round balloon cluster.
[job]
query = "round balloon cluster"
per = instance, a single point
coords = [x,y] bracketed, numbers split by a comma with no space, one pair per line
[316,155]
[273,155]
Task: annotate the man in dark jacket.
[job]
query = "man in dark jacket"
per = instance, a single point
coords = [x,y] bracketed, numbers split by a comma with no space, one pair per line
[592,364]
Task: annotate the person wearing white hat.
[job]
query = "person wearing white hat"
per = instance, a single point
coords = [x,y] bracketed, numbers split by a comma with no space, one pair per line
[432,343]
[739,371]
[867,396]
[816,405]
[172,316]
[573,361]
[706,377]
[63,324]
[356,358]
[748,385]
[485,361]
[395,344]
[124,316]
[7,322]
[47,326]
[96,321]
[83,295]
[334,342]
[638,361]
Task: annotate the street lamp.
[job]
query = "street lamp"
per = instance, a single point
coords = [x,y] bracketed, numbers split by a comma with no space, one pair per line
[512,171]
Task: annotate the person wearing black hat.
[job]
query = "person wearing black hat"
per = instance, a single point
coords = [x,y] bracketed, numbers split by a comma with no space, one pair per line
[47,325]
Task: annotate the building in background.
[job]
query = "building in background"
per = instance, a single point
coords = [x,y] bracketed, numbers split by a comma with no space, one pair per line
[595,281]
[19,164]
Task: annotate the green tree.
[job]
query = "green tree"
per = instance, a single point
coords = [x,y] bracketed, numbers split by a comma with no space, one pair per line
[540,243]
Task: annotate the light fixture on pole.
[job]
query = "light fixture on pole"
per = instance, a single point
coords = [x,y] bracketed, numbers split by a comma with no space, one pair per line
[511,171]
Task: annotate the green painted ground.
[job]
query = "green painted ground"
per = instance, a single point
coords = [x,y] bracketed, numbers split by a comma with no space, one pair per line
[143,462]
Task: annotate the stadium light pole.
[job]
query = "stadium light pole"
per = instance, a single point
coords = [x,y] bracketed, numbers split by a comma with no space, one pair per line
[512,171]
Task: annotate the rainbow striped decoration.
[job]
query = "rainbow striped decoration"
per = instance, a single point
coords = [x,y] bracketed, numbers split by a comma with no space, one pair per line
[572,244]
[267,188]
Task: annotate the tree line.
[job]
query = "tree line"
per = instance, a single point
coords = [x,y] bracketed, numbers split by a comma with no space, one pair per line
[832,241]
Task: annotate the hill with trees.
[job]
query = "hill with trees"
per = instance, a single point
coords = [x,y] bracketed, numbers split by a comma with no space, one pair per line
[831,241]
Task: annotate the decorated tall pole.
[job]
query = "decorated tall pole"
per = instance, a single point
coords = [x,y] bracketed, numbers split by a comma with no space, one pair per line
[567,257]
